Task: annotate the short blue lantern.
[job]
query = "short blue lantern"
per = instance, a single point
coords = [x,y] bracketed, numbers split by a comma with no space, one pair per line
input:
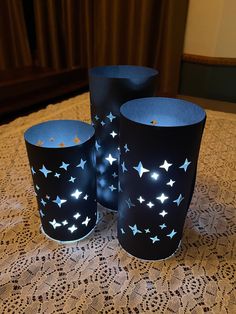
[110,87]
[159,144]
[62,160]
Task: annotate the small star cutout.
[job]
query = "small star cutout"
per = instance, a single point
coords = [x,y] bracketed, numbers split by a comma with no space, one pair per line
[81,164]
[41,213]
[32,169]
[170,183]
[45,171]
[162,226]
[150,204]
[112,188]
[173,233]
[72,179]
[115,175]
[85,197]
[126,148]
[110,159]
[59,201]
[55,224]
[154,239]
[77,215]
[155,175]
[47,197]
[165,165]
[162,198]
[123,167]
[97,146]
[141,170]
[119,187]
[140,199]
[113,134]
[43,202]
[122,230]
[37,187]
[178,200]
[135,230]
[111,117]
[65,222]
[86,221]
[72,228]
[76,194]
[96,118]
[185,165]
[103,123]
[129,203]
[64,166]
[57,175]
[163,213]
[147,230]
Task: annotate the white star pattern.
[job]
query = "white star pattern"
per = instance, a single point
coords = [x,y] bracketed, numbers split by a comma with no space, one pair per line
[140,199]
[147,230]
[185,165]
[163,213]
[126,148]
[162,226]
[122,230]
[37,187]
[165,165]
[123,167]
[55,224]
[85,197]
[76,194]
[115,175]
[155,175]
[81,164]
[111,117]
[77,215]
[32,169]
[173,233]
[112,188]
[43,202]
[64,166]
[178,200]
[72,179]
[129,203]
[150,204]
[135,230]
[59,201]
[97,146]
[57,175]
[65,222]
[72,228]
[110,159]
[154,239]
[141,170]
[45,171]
[113,134]
[170,183]
[86,221]
[162,198]
[103,123]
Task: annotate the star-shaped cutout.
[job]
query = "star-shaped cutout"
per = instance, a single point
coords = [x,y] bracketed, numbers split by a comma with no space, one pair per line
[97,146]
[45,171]
[103,123]
[33,171]
[150,204]
[162,226]
[110,159]
[165,165]
[113,134]
[119,187]
[64,166]
[129,203]
[55,224]
[77,215]
[147,230]
[57,175]
[72,179]
[185,165]
[123,167]
[43,202]
[115,175]
[135,230]
[155,175]
[141,170]
[178,200]
[173,233]
[72,228]
[162,198]
[65,222]
[85,197]
[122,230]
[86,221]
[163,213]
[41,213]
[47,197]
[81,164]
[59,201]
[96,117]
[154,239]
[140,199]
[37,187]
[76,194]
[112,188]
[111,117]
[170,183]
[126,148]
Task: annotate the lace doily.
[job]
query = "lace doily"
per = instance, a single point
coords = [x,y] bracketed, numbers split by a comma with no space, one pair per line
[97,276]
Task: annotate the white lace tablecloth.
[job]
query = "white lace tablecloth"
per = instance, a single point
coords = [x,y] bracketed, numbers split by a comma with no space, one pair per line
[97,276]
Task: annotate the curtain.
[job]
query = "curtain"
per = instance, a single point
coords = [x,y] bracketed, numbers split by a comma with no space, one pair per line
[14,46]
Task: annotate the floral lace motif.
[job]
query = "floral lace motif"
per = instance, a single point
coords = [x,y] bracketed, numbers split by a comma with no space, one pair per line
[97,276]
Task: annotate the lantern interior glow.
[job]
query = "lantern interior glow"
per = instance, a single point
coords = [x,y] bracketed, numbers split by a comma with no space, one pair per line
[168,112]
[59,133]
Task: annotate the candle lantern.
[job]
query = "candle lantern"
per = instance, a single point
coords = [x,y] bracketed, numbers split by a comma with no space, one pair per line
[110,87]
[62,160]
[159,144]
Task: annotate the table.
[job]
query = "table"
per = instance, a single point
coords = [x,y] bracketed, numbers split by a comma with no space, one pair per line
[96,275]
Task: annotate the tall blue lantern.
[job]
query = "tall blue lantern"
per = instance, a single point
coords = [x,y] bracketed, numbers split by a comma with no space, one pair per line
[62,160]
[110,87]
[157,173]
